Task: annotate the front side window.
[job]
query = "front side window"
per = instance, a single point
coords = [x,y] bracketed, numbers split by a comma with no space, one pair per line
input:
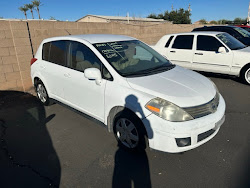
[230,41]
[81,57]
[208,43]
[133,58]
[58,52]
[184,42]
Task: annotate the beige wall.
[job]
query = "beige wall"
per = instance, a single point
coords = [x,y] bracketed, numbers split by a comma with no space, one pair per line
[16,53]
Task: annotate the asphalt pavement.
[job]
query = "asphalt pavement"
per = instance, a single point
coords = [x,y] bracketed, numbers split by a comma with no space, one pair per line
[56,147]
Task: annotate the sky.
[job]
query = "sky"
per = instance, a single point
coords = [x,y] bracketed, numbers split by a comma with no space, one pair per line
[72,10]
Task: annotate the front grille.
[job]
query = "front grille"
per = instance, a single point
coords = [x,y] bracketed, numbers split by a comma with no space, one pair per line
[205,109]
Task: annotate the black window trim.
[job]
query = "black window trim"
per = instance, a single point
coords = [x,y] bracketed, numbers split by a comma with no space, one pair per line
[170,39]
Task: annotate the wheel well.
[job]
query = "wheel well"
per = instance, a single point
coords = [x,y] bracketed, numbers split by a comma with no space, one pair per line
[243,68]
[115,110]
[36,79]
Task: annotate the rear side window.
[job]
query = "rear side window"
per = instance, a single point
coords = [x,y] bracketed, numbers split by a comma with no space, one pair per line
[46,50]
[168,42]
[183,42]
[58,52]
[208,43]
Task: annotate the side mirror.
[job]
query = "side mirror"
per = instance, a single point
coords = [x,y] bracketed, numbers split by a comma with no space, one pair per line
[222,50]
[93,74]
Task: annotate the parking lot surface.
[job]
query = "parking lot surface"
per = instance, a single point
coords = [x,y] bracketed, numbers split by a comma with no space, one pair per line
[56,147]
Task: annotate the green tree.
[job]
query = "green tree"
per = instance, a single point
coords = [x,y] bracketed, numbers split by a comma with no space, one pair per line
[152,16]
[239,21]
[24,9]
[52,18]
[213,22]
[30,7]
[37,4]
[180,16]
[203,21]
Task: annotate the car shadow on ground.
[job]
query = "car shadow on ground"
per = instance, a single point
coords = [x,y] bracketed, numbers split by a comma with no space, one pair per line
[27,155]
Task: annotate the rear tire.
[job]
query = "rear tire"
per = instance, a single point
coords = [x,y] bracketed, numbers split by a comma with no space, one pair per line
[245,74]
[129,131]
[42,93]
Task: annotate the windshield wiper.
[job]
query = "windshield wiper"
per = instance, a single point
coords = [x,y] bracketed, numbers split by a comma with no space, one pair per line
[151,70]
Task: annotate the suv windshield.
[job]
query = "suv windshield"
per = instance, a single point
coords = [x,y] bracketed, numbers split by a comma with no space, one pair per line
[230,41]
[133,58]
[243,32]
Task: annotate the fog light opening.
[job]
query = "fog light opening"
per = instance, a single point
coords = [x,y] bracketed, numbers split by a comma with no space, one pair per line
[182,142]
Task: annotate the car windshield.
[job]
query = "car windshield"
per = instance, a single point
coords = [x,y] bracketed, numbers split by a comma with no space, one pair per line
[230,41]
[243,32]
[133,58]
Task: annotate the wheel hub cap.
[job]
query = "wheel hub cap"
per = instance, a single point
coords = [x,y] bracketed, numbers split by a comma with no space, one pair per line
[127,133]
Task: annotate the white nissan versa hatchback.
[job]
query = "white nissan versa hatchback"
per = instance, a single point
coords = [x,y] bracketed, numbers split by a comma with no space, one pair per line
[137,93]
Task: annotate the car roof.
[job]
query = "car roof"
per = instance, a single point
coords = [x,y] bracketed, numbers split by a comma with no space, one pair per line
[213,26]
[199,33]
[93,38]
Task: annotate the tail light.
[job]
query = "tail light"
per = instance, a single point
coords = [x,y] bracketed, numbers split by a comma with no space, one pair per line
[33,60]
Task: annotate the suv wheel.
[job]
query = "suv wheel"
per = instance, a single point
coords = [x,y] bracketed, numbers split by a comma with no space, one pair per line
[42,93]
[129,131]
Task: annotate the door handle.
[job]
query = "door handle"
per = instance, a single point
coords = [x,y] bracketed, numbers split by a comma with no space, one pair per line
[198,53]
[172,51]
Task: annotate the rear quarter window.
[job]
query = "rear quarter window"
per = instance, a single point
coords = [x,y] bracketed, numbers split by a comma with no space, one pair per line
[169,41]
[46,50]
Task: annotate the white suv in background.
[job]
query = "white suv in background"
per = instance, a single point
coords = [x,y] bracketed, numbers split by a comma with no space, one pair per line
[132,89]
[207,51]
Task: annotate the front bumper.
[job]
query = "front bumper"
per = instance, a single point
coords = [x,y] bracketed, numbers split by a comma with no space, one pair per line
[163,134]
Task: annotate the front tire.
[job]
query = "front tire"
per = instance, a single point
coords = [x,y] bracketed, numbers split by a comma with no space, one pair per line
[129,131]
[245,74]
[42,94]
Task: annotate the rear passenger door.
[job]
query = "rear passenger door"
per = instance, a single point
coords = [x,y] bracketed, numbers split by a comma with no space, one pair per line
[181,51]
[81,93]
[53,67]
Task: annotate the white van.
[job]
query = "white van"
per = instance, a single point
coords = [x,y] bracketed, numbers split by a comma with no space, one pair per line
[142,100]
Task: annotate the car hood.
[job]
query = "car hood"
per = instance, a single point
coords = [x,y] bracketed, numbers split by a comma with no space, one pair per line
[180,86]
[244,50]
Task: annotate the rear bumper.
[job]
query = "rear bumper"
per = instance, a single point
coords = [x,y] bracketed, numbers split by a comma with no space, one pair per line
[200,130]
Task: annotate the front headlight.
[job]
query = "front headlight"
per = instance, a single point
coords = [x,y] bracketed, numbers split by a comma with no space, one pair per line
[167,110]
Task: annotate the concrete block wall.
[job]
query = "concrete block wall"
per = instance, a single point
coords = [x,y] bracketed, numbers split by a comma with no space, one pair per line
[16,51]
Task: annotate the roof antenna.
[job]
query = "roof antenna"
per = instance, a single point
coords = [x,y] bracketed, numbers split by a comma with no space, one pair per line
[67,31]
